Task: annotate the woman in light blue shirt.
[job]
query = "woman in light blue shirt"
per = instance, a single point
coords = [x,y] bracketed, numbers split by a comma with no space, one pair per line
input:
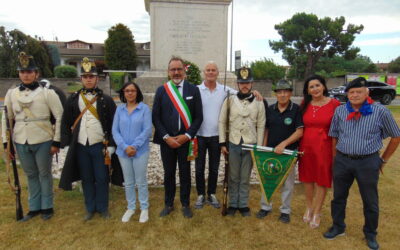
[131,131]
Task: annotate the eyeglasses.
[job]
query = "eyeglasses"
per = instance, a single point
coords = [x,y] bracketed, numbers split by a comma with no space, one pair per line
[130,91]
[88,76]
[176,69]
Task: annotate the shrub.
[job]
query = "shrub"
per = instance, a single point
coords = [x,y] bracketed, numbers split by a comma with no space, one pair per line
[65,71]
[193,73]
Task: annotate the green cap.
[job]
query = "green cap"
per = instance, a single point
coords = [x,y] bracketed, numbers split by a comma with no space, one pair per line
[282,85]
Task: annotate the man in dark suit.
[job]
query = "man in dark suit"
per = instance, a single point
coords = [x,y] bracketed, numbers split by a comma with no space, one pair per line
[176,121]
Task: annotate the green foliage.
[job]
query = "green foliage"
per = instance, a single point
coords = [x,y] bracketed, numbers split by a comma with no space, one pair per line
[65,71]
[117,80]
[305,39]
[339,66]
[267,69]
[120,50]
[73,86]
[394,66]
[193,73]
[54,54]
[12,43]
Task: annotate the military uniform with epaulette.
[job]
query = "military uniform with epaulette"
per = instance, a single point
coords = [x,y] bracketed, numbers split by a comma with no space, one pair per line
[30,106]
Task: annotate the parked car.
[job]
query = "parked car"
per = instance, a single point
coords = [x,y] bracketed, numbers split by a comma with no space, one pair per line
[378,91]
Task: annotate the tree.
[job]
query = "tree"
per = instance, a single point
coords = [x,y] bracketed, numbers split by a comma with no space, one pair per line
[193,73]
[339,66]
[54,54]
[305,39]
[394,66]
[12,43]
[267,69]
[120,50]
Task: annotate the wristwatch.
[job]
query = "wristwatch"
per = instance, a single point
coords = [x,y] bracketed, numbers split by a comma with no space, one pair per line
[383,160]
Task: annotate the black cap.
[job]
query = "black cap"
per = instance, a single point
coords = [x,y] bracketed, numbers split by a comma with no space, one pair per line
[26,62]
[244,74]
[356,83]
[88,67]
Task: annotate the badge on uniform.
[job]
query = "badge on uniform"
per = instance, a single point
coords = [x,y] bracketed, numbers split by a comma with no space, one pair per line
[288,121]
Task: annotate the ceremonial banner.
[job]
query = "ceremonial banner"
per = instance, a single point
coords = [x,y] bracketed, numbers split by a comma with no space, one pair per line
[272,170]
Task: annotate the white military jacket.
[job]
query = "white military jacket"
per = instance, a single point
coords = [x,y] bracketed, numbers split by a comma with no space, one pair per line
[34,126]
[246,120]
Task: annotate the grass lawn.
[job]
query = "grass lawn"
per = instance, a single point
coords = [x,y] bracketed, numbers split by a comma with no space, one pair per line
[206,230]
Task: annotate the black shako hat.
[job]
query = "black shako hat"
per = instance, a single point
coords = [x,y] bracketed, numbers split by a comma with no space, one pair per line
[26,62]
[88,67]
[244,74]
[356,83]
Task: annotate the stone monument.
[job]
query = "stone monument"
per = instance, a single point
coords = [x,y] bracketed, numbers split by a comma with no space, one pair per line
[196,30]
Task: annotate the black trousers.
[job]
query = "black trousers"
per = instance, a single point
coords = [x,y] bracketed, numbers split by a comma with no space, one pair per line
[214,154]
[169,158]
[366,173]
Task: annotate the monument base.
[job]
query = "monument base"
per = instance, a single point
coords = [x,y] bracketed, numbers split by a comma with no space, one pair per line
[149,81]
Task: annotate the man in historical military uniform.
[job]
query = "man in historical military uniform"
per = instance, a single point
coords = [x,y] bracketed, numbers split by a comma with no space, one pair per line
[36,139]
[177,115]
[283,129]
[358,129]
[246,125]
[86,130]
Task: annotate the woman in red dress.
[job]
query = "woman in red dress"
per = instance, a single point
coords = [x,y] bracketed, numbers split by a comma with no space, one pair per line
[315,166]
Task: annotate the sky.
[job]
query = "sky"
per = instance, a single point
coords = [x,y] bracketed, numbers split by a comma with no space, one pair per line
[253,22]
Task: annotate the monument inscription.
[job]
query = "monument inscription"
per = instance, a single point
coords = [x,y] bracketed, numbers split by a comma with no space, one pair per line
[190,35]
[196,30]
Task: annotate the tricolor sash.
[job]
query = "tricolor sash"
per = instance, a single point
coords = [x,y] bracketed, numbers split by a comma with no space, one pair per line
[184,113]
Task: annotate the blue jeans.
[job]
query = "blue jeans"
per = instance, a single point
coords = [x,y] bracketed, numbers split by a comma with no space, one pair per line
[36,163]
[94,175]
[135,173]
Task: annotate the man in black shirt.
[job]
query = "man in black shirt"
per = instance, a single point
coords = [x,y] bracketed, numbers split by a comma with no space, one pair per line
[284,127]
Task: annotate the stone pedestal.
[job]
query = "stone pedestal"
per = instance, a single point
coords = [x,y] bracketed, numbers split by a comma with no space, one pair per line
[196,30]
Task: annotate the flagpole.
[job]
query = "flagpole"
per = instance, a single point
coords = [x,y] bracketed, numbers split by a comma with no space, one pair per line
[250,147]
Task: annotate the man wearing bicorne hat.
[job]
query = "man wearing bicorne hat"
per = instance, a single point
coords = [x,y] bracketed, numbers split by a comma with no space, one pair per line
[36,140]
[246,125]
[86,131]
[358,128]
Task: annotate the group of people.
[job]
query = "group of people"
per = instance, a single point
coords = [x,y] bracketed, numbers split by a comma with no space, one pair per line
[340,142]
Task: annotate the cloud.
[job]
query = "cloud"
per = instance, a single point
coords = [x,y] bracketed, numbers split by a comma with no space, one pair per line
[378,42]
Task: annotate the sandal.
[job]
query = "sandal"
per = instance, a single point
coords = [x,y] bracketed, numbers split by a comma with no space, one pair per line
[307,215]
[316,220]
